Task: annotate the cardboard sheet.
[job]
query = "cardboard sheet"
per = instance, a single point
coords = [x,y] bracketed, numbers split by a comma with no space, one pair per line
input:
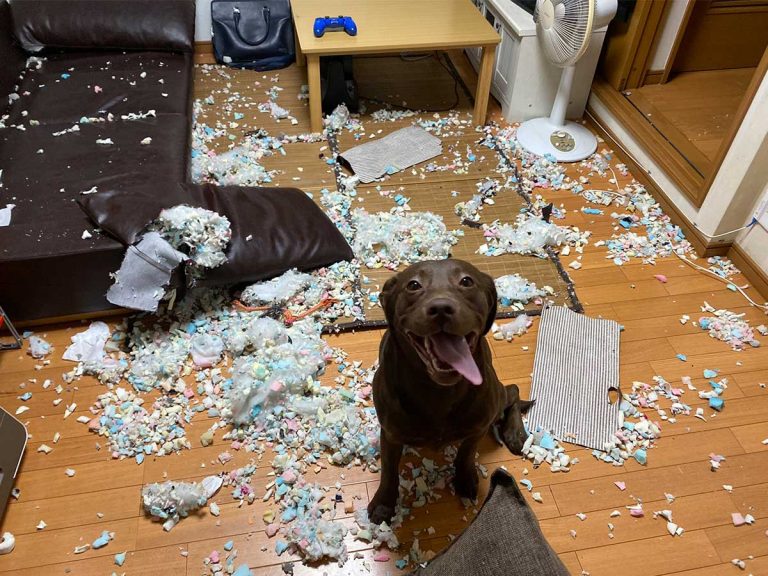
[392,153]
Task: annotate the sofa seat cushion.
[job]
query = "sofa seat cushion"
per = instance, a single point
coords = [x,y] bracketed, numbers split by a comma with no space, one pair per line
[46,267]
[68,87]
[273,229]
[46,185]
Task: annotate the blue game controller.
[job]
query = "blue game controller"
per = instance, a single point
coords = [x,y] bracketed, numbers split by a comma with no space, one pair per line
[334,25]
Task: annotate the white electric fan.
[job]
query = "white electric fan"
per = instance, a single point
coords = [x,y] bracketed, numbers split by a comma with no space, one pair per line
[564,28]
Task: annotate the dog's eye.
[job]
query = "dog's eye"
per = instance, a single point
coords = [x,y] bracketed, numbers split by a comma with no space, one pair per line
[467,282]
[413,286]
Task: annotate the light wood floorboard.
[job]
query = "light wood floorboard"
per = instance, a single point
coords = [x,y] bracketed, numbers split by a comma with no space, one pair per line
[678,465]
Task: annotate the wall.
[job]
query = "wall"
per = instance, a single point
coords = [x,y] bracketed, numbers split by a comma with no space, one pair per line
[754,241]
[203,21]
[741,180]
[669,32]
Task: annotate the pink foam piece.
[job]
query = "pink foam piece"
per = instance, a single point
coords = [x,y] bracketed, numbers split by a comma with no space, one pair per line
[381,556]
[661,278]
[738,519]
[188,392]
[636,513]
[214,557]
[289,476]
[271,529]
[621,485]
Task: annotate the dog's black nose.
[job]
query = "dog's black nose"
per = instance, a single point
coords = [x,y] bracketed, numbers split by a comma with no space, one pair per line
[441,307]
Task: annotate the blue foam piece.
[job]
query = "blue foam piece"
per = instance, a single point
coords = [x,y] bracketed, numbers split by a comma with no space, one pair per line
[101,541]
[547,442]
[682,357]
[716,403]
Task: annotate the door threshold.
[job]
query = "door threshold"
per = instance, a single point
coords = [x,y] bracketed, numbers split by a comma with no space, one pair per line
[661,150]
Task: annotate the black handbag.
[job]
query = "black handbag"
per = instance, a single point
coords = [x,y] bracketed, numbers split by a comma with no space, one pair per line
[254,34]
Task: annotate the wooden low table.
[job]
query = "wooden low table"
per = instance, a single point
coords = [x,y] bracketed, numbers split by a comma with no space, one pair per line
[393,26]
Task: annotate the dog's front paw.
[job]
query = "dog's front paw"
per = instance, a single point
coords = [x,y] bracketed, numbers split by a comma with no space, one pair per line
[378,513]
[466,482]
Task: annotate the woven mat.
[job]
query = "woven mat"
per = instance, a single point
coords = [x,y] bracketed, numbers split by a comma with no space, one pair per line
[575,368]
[423,83]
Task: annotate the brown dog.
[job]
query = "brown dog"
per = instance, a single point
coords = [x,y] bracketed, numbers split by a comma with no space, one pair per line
[436,384]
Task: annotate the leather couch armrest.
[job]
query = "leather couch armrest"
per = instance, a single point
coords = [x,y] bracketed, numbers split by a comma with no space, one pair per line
[156,25]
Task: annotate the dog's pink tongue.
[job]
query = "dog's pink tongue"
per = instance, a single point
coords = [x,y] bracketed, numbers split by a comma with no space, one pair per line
[455,351]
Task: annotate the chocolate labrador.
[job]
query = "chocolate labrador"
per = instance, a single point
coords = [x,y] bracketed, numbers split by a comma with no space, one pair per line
[436,384]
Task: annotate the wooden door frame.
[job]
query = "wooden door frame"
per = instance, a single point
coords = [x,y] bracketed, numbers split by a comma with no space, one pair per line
[738,119]
[678,40]
[653,17]
[632,61]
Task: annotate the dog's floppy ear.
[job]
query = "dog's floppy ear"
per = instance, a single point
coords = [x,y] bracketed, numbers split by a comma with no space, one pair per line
[388,297]
[525,405]
[489,288]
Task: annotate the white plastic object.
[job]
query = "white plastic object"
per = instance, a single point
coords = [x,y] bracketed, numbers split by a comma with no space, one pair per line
[211,484]
[8,543]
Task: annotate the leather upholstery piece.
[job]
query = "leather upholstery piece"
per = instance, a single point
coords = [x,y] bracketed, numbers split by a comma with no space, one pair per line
[100,83]
[58,284]
[48,221]
[163,25]
[11,56]
[46,268]
[287,229]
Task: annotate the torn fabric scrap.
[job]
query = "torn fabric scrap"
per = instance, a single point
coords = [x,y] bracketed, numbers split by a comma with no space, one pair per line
[145,272]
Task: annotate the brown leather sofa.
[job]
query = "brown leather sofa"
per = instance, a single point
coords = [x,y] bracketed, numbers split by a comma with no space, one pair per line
[105,61]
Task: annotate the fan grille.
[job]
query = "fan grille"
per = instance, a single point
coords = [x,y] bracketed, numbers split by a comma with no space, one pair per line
[564,27]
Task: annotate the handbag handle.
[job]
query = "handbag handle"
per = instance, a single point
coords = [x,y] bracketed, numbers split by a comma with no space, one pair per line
[236,17]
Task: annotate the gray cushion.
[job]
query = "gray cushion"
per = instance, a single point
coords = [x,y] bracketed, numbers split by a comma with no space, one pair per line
[503,540]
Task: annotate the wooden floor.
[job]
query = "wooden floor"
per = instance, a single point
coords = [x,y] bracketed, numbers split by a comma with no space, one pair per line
[694,110]
[105,494]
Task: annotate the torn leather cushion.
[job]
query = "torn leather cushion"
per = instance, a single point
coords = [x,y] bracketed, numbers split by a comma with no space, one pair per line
[286,228]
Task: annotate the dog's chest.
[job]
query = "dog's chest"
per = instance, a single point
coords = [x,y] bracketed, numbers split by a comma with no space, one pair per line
[435,424]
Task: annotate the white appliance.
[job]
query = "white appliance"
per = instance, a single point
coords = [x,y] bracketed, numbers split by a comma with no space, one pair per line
[564,28]
[524,81]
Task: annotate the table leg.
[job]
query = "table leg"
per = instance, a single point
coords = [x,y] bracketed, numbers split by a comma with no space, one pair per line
[484,84]
[315,95]
[300,60]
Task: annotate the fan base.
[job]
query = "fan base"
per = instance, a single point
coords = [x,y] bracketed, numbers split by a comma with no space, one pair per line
[569,143]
